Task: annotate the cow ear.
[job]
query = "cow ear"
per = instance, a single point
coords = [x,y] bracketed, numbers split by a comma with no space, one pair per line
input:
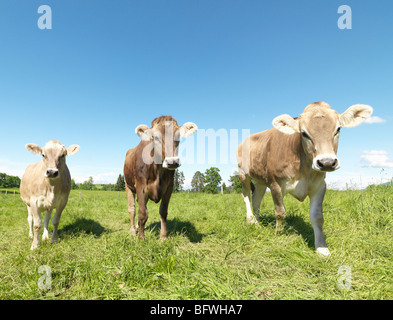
[188,129]
[286,124]
[144,132]
[72,149]
[355,115]
[34,148]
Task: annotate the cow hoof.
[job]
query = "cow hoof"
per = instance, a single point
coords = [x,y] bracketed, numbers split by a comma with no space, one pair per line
[31,235]
[141,236]
[33,247]
[323,251]
[45,236]
[133,231]
[162,237]
[251,220]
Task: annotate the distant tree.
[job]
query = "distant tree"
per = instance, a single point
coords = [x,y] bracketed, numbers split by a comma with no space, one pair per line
[198,182]
[120,184]
[7,181]
[236,184]
[212,180]
[2,178]
[87,185]
[108,187]
[178,181]
[73,185]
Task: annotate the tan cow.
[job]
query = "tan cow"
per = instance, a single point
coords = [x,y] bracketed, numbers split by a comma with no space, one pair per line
[293,157]
[149,168]
[45,186]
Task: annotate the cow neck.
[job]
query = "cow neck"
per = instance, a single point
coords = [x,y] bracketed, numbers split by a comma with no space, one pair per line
[161,171]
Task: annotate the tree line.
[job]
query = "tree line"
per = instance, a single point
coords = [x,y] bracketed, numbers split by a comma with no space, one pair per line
[120,185]
[208,182]
[7,181]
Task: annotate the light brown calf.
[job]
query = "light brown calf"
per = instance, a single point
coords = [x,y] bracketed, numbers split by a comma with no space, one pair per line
[293,157]
[46,186]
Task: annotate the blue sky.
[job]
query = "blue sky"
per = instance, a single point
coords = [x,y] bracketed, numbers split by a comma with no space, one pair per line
[107,66]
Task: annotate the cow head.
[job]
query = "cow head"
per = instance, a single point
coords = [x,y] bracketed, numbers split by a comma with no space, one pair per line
[319,127]
[53,156]
[164,135]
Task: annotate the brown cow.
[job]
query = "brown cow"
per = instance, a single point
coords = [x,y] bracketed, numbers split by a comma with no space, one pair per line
[293,158]
[149,168]
[46,186]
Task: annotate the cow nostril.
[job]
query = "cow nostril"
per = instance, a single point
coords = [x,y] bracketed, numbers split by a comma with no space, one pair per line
[334,164]
[52,173]
[320,164]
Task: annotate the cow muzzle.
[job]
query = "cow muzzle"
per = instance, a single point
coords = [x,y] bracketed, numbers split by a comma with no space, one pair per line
[52,173]
[171,163]
[326,163]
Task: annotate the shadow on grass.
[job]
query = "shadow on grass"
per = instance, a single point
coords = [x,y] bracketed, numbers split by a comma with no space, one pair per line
[291,224]
[299,225]
[82,225]
[175,226]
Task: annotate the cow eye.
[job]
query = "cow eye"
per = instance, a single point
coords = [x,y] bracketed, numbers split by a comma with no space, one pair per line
[305,136]
[43,155]
[338,131]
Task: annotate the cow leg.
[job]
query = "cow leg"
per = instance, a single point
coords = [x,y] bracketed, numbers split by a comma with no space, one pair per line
[163,215]
[142,212]
[246,194]
[56,221]
[316,218]
[164,212]
[45,235]
[131,209]
[37,222]
[278,204]
[30,221]
[257,197]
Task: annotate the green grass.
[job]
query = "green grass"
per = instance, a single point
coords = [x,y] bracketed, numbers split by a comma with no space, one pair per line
[211,252]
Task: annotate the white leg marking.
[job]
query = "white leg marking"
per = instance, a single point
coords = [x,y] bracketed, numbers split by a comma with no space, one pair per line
[250,216]
[45,235]
[30,221]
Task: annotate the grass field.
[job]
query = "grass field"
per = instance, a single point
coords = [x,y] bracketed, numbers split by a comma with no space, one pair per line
[211,253]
